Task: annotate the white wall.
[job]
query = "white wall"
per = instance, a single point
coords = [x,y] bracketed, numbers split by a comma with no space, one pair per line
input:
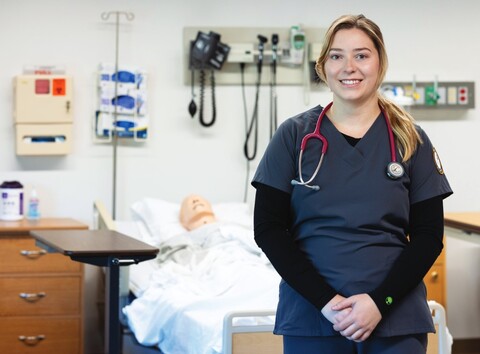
[425,38]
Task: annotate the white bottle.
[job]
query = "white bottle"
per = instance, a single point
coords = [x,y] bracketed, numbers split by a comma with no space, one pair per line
[33,206]
[11,201]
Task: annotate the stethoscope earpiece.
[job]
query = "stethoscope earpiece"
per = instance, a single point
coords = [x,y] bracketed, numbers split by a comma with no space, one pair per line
[294,182]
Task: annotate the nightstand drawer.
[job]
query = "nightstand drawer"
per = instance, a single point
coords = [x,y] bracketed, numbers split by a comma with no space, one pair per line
[441,257]
[19,254]
[40,336]
[435,282]
[38,296]
[41,301]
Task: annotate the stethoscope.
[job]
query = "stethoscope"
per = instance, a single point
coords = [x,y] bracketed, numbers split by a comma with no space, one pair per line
[394,169]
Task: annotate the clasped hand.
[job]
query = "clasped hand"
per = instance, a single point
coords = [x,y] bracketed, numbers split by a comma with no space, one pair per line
[354,317]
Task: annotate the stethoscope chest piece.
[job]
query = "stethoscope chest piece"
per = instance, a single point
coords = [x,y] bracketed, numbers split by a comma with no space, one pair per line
[395,170]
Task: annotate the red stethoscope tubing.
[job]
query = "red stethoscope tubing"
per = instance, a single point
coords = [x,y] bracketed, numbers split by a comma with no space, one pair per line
[316,134]
[393,154]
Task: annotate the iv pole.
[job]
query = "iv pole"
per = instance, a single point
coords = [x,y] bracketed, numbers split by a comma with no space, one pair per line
[105,16]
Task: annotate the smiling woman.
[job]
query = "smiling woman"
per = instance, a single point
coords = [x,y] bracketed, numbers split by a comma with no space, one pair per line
[401,121]
[351,278]
[351,72]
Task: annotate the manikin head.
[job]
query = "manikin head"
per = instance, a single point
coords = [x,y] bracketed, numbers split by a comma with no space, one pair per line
[195,212]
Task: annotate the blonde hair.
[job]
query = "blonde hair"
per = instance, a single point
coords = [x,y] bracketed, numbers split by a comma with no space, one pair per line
[403,124]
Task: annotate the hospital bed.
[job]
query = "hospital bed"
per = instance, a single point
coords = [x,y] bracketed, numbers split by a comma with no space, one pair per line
[239,324]
[242,331]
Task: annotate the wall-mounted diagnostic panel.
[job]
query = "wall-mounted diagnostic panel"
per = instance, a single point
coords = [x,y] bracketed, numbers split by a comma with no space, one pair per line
[292,48]
[43,114]
[447,94]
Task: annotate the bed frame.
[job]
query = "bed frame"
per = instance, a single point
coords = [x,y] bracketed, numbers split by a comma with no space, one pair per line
[438,342]
[237,339]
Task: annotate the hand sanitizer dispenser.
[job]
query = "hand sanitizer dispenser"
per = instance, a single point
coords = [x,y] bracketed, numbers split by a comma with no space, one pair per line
[33,212]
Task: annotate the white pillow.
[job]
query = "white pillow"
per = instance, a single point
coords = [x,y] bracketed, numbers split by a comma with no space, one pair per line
[162,220]
[232,212]
[160,217]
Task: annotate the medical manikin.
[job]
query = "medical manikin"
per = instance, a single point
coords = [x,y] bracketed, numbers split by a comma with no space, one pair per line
[196,211]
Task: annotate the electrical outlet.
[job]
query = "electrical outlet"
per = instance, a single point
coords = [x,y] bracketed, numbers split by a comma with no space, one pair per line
[463,95]
[419,95]
[442,95]
[431,96]
[452,95]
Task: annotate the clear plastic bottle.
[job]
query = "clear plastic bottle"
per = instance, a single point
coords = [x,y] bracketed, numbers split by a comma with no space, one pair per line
[33,206]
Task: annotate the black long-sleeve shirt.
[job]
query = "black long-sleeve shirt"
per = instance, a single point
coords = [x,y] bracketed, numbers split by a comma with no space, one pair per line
[272,221]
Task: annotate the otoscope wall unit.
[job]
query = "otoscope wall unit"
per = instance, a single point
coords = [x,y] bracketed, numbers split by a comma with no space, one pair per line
[43,114]
[433,94]
[292,48]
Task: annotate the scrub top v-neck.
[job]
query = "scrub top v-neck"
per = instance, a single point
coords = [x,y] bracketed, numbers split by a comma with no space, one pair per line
[355,226]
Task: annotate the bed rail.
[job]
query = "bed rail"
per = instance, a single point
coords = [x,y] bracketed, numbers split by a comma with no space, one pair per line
[101,217]
[241,338]
[440,342]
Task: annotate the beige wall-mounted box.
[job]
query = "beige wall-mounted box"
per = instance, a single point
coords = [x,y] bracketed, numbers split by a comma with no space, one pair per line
[43,114]
[43,99]
[43,139]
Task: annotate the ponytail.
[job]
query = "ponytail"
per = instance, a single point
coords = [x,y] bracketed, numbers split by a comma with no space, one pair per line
[403,127]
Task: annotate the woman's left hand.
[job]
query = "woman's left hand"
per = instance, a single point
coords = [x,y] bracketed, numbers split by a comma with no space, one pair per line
[361,321]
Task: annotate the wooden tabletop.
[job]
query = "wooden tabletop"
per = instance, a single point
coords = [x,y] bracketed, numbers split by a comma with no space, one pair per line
[467,221]
[95,243]
[26,225]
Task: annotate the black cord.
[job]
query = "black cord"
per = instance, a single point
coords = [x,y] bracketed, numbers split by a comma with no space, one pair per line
[244,96]
[253,125]
[202,96]
[273,87]
[201,81]
[214,104]
[273,100]
[192,107]
[254,121]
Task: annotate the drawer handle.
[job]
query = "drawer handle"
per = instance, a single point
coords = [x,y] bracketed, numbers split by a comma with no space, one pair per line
[434,275]
[31,340]
[32,296]
[33,254]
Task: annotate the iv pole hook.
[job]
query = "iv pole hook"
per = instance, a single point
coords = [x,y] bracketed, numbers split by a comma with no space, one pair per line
[105,16]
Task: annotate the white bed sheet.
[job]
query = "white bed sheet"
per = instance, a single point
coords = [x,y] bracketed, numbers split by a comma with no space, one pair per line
[205,274]
[139,274]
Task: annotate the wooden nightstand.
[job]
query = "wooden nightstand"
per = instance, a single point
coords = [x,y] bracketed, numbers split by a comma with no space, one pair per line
[41,306]
[436,280]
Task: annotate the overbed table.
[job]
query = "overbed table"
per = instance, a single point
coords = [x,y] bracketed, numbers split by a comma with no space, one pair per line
[467,222]
[104,248]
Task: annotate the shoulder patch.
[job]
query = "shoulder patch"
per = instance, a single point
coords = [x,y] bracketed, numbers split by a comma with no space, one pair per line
[437,161]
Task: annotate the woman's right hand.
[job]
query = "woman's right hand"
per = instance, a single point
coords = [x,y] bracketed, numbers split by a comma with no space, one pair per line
[335,316]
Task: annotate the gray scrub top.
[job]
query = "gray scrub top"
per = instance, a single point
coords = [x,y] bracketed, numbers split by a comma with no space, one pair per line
[355,226]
